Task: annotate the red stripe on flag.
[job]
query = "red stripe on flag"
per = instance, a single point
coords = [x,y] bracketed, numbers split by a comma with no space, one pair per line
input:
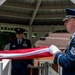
[22,50]
[30,53]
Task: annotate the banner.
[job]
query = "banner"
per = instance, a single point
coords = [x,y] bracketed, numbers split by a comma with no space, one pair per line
[30,53]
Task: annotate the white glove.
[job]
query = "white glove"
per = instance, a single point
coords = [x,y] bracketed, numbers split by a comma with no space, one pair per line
[53,49]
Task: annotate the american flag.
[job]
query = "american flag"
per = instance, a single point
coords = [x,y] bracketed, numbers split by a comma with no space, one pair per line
[30,53]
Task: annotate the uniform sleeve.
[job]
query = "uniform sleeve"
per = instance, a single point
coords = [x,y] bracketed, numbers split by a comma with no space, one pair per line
[66,61]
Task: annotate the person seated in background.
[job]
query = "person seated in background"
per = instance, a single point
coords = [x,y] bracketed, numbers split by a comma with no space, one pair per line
[12,37]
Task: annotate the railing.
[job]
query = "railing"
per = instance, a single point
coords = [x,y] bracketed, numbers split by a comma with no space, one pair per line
[46,67]
[5,67]
[52,72]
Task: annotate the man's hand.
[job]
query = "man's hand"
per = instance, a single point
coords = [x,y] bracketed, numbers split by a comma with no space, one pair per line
[53,50]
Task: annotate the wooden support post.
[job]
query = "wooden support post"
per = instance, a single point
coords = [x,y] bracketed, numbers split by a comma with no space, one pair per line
[46,68]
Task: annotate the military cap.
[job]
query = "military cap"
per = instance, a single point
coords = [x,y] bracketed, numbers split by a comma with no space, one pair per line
[70,13]
[19,30]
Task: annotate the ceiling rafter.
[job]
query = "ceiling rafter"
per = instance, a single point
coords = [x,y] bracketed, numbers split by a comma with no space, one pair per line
[23,6]
[49,16]
[29,17]
[14,15]
[51,0]
[54,7]
[39,18]
[42,8]
[30,7]
[35,11]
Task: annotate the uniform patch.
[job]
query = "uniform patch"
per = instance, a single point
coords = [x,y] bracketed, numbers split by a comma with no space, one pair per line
[73,51]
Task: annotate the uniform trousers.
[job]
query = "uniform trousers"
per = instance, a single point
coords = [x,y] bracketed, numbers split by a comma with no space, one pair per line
[19,71]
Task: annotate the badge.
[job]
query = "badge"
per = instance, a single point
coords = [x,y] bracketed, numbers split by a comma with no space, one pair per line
[13,46]
[24,44]
[73,51]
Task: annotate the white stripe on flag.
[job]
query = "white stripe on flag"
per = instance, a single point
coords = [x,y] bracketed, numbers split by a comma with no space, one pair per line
[14,55]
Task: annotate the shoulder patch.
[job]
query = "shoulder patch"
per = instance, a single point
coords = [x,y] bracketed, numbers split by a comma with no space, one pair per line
[73,51]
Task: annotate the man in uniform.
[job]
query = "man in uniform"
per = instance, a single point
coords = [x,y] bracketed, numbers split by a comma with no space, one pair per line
[66,59]
[19,67]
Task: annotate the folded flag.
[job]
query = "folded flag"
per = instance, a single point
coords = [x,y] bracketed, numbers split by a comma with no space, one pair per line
[30,53]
